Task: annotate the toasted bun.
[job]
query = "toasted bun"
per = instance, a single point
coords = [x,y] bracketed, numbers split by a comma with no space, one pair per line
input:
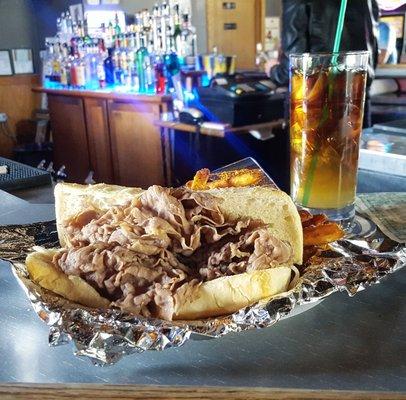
[228,294]
[271,205]
[71,198]
[44,273]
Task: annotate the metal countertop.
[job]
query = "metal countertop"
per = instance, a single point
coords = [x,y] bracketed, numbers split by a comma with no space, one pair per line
[343,343]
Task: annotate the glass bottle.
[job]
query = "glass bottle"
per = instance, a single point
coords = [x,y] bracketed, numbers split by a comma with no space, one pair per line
[117,28]
[101,56]
[141,55]
[109,67]
[47,65]
[188,41]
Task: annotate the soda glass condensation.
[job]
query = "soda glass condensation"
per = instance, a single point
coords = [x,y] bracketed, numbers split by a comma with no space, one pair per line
[327,94]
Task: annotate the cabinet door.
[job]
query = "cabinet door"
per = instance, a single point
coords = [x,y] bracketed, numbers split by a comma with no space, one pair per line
[136,143]
[235,27]
[69,136]
[99,140]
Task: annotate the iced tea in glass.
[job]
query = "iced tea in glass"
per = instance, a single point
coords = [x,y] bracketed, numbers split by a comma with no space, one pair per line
[327,93]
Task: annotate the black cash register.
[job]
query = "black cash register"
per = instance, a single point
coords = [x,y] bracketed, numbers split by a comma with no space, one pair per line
[240,104]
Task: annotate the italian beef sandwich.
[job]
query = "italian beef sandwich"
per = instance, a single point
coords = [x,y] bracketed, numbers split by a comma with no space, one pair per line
[170,253]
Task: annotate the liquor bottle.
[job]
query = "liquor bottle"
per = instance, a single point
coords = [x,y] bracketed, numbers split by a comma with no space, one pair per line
[63,28]
[90,60]
[64,72]
[118,72]
[149,73]
[125,69]
[108,35]
[155,19]
[188,41]
[260,58]
[176,29]
[160,79]
[69,23]
[164,27]
[47,67]
[109,67]
[101,55]
[173,73]
[56,65]
[80,72]
[117,28]
[58,27]
[141,56]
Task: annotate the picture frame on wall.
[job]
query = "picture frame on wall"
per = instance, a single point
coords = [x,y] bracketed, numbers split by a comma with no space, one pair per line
[22,61]
[6,68]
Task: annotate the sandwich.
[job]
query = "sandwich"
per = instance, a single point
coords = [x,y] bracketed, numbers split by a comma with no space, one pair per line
[171,253]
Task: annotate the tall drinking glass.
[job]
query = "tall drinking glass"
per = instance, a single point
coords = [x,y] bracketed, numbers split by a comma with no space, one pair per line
[326,112]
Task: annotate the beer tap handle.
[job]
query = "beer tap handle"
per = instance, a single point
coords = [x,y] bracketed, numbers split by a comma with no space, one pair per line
[41,165]
[61,174]
[89,179]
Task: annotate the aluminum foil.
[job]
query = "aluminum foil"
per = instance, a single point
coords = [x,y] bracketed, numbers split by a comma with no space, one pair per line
[349,265]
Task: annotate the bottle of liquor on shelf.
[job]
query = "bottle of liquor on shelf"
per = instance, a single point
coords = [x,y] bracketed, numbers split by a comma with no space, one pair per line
[260,57]
[188,41]
[118,72]
[91,59]
[56,65]
[47,67]
[176,30]
[160,78]
[81,72]
[69,23]
[65,67]
[141,56]
[63,28]
[78,69]
[101,56]
[109,68]
[117,28]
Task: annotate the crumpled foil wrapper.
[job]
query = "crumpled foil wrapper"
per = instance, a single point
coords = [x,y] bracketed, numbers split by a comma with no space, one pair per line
[349,265]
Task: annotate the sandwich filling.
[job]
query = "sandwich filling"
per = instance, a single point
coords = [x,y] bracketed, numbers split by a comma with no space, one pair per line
[140,254]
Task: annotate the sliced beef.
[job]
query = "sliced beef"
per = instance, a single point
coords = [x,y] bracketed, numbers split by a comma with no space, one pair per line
[139,254]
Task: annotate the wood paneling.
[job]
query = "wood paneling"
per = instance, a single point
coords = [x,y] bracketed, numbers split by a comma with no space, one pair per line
[69,134]
[249,17]
[19,102]
[108,392]
[99,139]
[136,143]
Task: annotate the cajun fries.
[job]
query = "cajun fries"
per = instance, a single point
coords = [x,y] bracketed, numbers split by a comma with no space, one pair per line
[203,180]
[317,230]
[200,180]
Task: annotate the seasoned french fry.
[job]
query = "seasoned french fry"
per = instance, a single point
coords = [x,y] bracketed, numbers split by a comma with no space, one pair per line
[322,234]
[200,179]
[305,215]
[315,220]
[243,177]
[246,178]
